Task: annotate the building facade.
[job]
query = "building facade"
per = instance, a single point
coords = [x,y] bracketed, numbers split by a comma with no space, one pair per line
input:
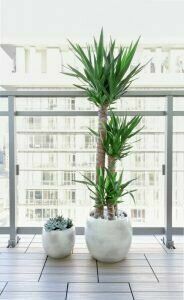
[52,152]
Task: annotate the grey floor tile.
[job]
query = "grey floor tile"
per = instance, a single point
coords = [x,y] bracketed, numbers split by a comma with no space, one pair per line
[36,245]
[80,245]
[12,256]
[3,244]
[127,278]
[101,296]
[70,262]
[20,269]
[33,295]
[170,277]
[126,263]
[150,246]
[125,270]
[79,269]
[164,256]
[169,270]
[166,262]
[147,250]
[80,250]
[23,244]
[19,277]
[75,256]
[80,238]
[26,237]
[13,250]
[35,287]
[98,287]
[4,236]
[70,270]
[35,250]
[21,262]
[68,278]
[158,295]
[176,238]
[2,285]
[157,287]
[37,239]
[144,239]
[135,256]
[179,250]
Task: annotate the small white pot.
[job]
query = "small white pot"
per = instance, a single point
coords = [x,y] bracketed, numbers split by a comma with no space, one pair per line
[108,240]
[58,243]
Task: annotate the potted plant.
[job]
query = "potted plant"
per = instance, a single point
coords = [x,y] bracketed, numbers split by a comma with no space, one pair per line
[58,237]
[106,76]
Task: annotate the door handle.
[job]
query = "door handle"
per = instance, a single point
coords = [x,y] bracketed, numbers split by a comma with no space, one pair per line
[163,169]
[17,170]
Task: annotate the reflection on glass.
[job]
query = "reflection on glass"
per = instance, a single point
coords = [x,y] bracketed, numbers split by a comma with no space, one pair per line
[4,176]
[80,104]
[53,151]
[178,172]
[178,103]
[3,104]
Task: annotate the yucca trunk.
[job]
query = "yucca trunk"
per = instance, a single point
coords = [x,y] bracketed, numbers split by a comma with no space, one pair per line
[112,168]
[100,155]
[102,120]
[111,212]
[111,164]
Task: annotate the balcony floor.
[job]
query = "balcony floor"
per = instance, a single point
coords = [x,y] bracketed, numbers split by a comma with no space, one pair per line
[150,271]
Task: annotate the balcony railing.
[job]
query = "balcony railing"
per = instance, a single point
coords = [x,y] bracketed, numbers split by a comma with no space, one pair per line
[18,107]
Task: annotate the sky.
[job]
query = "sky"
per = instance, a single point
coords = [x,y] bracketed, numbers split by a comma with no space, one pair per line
[54,21]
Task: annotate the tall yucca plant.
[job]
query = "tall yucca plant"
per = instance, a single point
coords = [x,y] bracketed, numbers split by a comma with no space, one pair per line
[106,76]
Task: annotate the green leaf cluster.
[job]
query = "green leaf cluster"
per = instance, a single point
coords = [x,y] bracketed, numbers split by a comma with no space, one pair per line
[106,73]
[118,133]
[108,189]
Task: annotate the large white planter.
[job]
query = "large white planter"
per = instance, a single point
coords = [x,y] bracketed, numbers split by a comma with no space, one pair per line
[108,241]
[57,243]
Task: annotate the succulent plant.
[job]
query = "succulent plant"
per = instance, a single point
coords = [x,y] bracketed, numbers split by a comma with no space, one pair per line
[58,223]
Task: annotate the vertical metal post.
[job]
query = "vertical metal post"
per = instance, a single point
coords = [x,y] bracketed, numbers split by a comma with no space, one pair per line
[168,178]
[12,172]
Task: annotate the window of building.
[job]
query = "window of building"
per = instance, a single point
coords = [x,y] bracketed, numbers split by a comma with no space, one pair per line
[34,122]
[44,61]
[70,123]
[27,60]
[90,175]
[69,178]
[138,215]
[152,67]
[72,104]
[90,142]
[37,141]
[49,178]
[38,214]
[52,103]
[69,197]
[38,195]
[152,178]
[52,123]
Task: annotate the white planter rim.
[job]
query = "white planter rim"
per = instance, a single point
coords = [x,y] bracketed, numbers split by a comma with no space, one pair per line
[124,219]
[67,229]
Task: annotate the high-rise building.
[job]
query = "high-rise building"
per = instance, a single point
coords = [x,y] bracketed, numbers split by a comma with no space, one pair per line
[53,152]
